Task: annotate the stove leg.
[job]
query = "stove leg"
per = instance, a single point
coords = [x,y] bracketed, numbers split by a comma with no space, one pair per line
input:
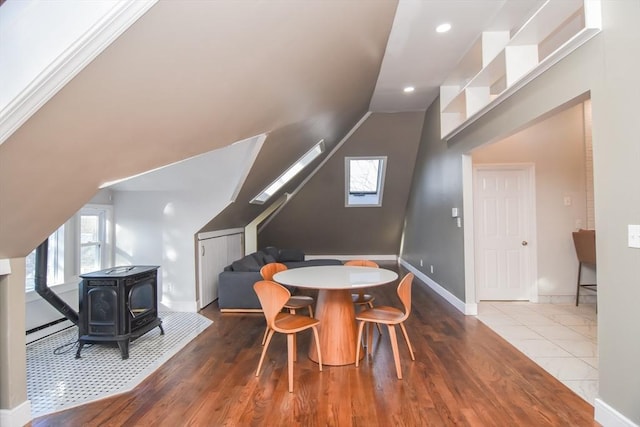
[80,345]
[161,330]
[124,348]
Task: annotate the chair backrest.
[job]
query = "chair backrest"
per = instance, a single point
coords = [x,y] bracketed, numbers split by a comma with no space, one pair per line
[361,263]
[585,243]
[273,297]
[268,270]
[404,292]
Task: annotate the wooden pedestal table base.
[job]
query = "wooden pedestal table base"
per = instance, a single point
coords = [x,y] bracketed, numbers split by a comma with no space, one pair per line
[337,329]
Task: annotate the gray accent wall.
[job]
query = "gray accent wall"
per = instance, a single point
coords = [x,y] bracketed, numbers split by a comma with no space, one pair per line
[607,69]
[316,219]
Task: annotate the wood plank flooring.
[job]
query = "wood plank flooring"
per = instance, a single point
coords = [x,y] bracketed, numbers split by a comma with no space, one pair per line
[464,375]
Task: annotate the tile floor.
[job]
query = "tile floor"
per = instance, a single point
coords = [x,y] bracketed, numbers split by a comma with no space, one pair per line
[561,338]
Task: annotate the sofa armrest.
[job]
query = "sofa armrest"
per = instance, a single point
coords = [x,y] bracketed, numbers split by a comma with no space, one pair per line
[235,290]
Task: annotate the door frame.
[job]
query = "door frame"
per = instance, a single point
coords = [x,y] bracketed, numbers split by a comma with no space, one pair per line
[468,193]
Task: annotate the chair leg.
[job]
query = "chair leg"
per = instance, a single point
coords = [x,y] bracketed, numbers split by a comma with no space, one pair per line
[266,332]
[394,347]
[264,350]
[358,341]
[291,348]
[578,286]
[406,338]
[370,304]
[317,338]
[310,311]
[370,339]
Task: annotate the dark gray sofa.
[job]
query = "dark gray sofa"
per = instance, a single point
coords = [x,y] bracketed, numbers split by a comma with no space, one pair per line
[235,283]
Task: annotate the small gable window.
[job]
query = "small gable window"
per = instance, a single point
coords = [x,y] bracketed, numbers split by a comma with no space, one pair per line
[364,180]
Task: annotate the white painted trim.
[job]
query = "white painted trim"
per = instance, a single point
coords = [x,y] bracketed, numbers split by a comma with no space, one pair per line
[469,309]
[350,257]
[248,164]
[219,233]
[322,163]
[609,417]
[468,230]
[5,267]
[182,306]
[16,417]
[69,64]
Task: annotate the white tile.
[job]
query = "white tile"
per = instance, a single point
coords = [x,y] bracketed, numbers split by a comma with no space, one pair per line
[540,348]
[568,319]
[579,348]
[493,319]
[516,332]
[557,332]
[533,319]
[593,361]
[568,368]
[586,389]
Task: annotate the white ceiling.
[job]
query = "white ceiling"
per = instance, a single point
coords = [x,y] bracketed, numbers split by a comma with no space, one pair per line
[418,56]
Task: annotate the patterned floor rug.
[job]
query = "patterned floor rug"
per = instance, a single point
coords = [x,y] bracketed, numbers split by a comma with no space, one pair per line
[56,380]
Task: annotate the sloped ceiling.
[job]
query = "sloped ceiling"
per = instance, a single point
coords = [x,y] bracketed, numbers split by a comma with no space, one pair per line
[187,78]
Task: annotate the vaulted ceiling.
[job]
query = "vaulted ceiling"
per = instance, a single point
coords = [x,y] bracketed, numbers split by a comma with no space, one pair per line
[189,77]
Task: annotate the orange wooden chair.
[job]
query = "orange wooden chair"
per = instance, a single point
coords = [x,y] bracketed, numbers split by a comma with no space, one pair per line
[585,244]
[361,298]
[295,302]
[273,297]
[389,316]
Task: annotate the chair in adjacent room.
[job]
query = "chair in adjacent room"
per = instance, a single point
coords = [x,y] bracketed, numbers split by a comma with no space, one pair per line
[362,299]
[296,302]
[273,297]
[389,316]
[585,244]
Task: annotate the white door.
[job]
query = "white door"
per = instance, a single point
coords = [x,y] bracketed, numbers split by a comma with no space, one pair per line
[213,253]
[504,232]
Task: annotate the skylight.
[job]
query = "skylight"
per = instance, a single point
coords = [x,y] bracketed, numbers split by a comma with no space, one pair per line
[288,175]
[364,179]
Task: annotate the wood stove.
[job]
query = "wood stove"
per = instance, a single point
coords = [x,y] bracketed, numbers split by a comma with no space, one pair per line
[118,305]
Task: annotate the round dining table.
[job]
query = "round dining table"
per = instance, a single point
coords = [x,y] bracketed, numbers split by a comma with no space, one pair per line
[334,308]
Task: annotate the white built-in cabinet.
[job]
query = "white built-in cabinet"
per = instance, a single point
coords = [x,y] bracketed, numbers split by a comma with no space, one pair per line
[501,62]
[216,250]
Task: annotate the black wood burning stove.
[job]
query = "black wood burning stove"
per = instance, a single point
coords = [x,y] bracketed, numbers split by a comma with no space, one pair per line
[118,305]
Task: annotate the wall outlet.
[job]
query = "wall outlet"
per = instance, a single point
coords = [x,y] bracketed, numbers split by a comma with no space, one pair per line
[634,236]
[421,263]
[431,268]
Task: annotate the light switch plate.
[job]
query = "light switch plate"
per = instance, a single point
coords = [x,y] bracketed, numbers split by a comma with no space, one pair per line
[634,236]
[454,212]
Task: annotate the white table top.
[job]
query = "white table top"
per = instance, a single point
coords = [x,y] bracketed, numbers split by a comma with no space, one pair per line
[335,277]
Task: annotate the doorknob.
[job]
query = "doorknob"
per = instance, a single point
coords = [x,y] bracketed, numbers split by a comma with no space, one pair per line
[525,243]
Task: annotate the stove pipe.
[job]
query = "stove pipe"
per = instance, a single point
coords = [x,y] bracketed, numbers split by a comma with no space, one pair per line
[43,290]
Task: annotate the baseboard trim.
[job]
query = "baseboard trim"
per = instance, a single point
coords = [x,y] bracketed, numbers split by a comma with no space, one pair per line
[49,330]
[470,309]
[609,417]
[16,417]
[350,257]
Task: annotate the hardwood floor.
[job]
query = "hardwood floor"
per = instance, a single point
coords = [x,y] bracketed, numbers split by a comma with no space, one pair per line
[464,374]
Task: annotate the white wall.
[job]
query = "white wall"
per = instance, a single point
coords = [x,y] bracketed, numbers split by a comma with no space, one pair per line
[556,147]
[158,215]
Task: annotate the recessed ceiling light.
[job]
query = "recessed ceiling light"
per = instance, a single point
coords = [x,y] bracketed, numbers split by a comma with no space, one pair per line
[409,89]
[443,28]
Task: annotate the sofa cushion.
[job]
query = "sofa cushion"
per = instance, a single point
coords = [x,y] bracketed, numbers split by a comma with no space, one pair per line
[272,251]
[246,263]
[268,259]
[290,255]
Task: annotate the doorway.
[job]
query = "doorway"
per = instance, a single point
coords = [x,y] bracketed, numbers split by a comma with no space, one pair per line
[505,237]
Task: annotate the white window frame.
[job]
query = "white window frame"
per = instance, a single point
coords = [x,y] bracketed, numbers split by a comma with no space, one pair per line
[66,273]
[105,213]
[370,200]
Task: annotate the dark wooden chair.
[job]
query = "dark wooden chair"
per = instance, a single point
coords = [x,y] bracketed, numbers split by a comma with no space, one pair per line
[585,244]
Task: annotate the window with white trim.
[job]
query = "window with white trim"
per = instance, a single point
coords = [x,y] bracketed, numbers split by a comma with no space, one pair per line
[81,245]
[288,175]
[364,181]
